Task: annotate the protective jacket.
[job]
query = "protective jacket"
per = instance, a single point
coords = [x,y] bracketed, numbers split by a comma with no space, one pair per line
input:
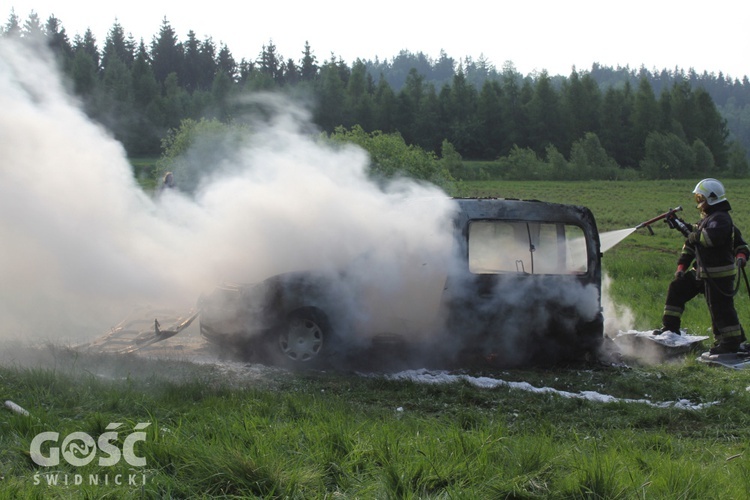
[717,241]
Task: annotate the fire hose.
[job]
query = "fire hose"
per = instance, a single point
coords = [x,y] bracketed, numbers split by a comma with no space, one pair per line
[668,215]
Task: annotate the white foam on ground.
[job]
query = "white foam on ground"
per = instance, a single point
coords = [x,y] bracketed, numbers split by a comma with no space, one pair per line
[670,339]
[442,377]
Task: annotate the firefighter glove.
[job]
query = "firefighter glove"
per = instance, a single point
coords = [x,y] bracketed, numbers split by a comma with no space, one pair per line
[741,260]
[680,272]
[671,221]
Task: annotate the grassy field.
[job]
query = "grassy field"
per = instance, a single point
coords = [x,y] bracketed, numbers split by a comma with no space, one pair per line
[673,430]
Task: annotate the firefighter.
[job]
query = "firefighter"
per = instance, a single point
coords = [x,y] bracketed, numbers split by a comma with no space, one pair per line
[715,248]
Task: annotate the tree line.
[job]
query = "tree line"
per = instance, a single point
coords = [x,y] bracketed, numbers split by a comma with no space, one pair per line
[141,91]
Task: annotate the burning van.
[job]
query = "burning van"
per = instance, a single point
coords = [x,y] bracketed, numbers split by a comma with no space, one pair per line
[523,285]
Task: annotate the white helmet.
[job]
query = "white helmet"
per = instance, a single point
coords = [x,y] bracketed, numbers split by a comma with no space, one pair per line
[712,190]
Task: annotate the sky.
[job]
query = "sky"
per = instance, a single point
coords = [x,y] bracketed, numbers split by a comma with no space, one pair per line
[534,35]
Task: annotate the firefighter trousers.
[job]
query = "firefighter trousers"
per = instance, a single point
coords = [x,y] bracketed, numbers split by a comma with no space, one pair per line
[719,297]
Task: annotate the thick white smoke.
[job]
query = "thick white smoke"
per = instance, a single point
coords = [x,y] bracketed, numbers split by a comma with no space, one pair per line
[617,317]
[68,207]
[83,244]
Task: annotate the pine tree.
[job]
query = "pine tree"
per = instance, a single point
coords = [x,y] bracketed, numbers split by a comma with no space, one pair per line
[490,116]
[385,107]
[582,105]
[58,42]
[117,47]
[192,70]
[330,110]
[12,26]
[443,69]
[147,113]
[88,45]
[207,64]
[246,69]
[32,27]
[429,130]
[269,62]
[358,102]
[711,128]
[545,116]
[515,120]
[684,111]
[309,66]
[166,53]
[145,87]
[85,65]
[226,64]
[645,116]
[409,99]
[461,110]
[616,129]
[292,74]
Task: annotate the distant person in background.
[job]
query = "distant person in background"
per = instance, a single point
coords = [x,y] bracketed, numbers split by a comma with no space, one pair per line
[167,182]
[716,250]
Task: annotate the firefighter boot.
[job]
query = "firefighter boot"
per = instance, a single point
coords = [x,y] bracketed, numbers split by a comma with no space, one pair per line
[730,345]
[669,326]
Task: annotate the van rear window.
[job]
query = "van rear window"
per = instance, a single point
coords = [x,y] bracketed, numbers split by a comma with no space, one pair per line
[526,247]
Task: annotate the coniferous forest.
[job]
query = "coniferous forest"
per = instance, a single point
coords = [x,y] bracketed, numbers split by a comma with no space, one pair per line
[658,124]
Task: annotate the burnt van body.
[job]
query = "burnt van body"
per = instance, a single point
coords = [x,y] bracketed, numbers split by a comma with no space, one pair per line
[524,286]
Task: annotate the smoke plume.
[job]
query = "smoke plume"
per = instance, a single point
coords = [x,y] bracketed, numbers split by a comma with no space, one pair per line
[83,244]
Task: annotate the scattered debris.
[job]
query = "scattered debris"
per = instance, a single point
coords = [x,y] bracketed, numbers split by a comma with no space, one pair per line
[139,330]
[15,408]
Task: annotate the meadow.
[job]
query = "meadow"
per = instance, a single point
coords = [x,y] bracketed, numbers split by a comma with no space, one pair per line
[677,429]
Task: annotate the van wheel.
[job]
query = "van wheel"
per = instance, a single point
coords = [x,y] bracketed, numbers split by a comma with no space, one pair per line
[304,338]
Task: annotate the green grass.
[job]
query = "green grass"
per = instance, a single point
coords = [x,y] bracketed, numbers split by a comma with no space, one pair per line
[143,170]
[317,435]
[248,433]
